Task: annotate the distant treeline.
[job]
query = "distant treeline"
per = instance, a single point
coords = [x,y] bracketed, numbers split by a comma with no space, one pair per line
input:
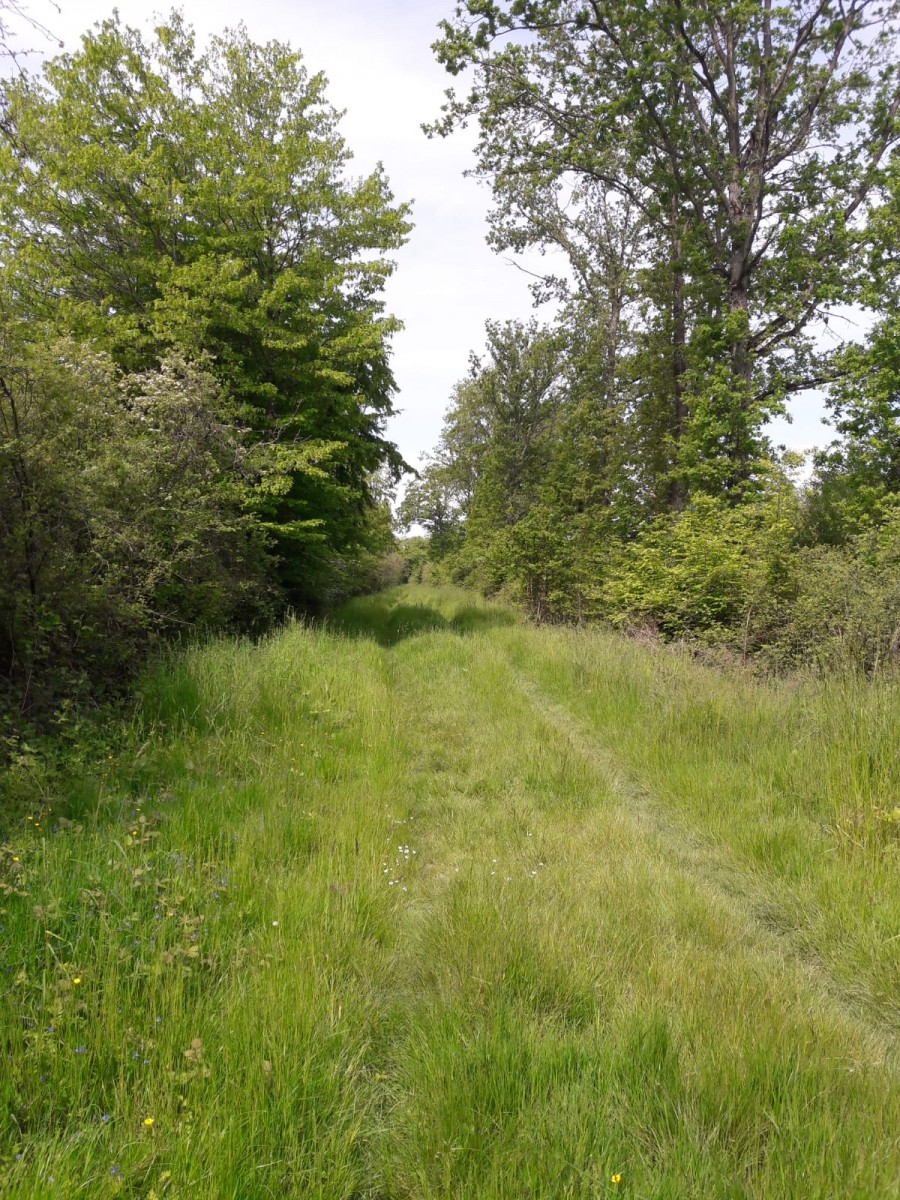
[194,375]
[721,179]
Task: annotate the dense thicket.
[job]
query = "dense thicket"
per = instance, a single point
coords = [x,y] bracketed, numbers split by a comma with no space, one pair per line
[720,179]
[194,356]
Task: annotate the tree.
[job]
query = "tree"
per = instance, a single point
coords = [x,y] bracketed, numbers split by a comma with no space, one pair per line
[749,135]
[157,198]
[857,480]
[430,501]
[511,401]
[13,15]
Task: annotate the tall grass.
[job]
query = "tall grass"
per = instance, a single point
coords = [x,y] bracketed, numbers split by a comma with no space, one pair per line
[432,904]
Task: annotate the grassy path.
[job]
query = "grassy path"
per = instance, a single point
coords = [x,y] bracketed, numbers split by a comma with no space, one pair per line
[745,895]
[437,905]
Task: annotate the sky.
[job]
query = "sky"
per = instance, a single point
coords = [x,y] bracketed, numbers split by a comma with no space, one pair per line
[376,55]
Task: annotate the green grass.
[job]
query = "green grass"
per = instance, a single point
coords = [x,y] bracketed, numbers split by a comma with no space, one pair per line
[429,903]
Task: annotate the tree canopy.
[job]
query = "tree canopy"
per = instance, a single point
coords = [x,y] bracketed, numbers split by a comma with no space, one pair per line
[157,198]
[721,181]
[745,141]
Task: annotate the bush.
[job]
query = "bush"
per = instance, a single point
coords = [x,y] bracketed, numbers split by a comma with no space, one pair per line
[711,571]
[120,519]
[846,611]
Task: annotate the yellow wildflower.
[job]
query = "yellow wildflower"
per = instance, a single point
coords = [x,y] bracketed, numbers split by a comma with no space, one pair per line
[148,1121]
[77,979]
[617,1178]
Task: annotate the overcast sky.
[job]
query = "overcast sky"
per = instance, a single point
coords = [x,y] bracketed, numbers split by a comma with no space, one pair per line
[376,55]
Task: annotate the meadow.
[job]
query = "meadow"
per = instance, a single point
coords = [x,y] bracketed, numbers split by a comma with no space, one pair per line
[427,902]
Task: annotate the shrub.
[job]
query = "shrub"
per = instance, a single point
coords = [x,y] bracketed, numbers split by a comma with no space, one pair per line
[704,572]
[120,518]
[846,611]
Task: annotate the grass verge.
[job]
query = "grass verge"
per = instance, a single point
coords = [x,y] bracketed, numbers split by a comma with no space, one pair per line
[433,904]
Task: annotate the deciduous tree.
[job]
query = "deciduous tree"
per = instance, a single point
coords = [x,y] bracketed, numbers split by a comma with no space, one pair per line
[750,135]
[156,197]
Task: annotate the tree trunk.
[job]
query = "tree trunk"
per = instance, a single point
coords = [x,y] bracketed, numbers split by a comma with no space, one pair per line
[678,489]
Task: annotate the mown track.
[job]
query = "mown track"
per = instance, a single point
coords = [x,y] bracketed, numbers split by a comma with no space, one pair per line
[433,904]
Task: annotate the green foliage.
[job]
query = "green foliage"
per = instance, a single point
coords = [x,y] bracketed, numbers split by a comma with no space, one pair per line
[369,567]
[415,554]
[856,484]
[430,501]
[706,571]
[194,369]
[846,611]
[674,154]
[201,202]
[681,158]
[545,523]
[120,516]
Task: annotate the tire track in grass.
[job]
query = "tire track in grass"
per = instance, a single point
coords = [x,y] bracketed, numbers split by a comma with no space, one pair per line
[746,899]
[485,751]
